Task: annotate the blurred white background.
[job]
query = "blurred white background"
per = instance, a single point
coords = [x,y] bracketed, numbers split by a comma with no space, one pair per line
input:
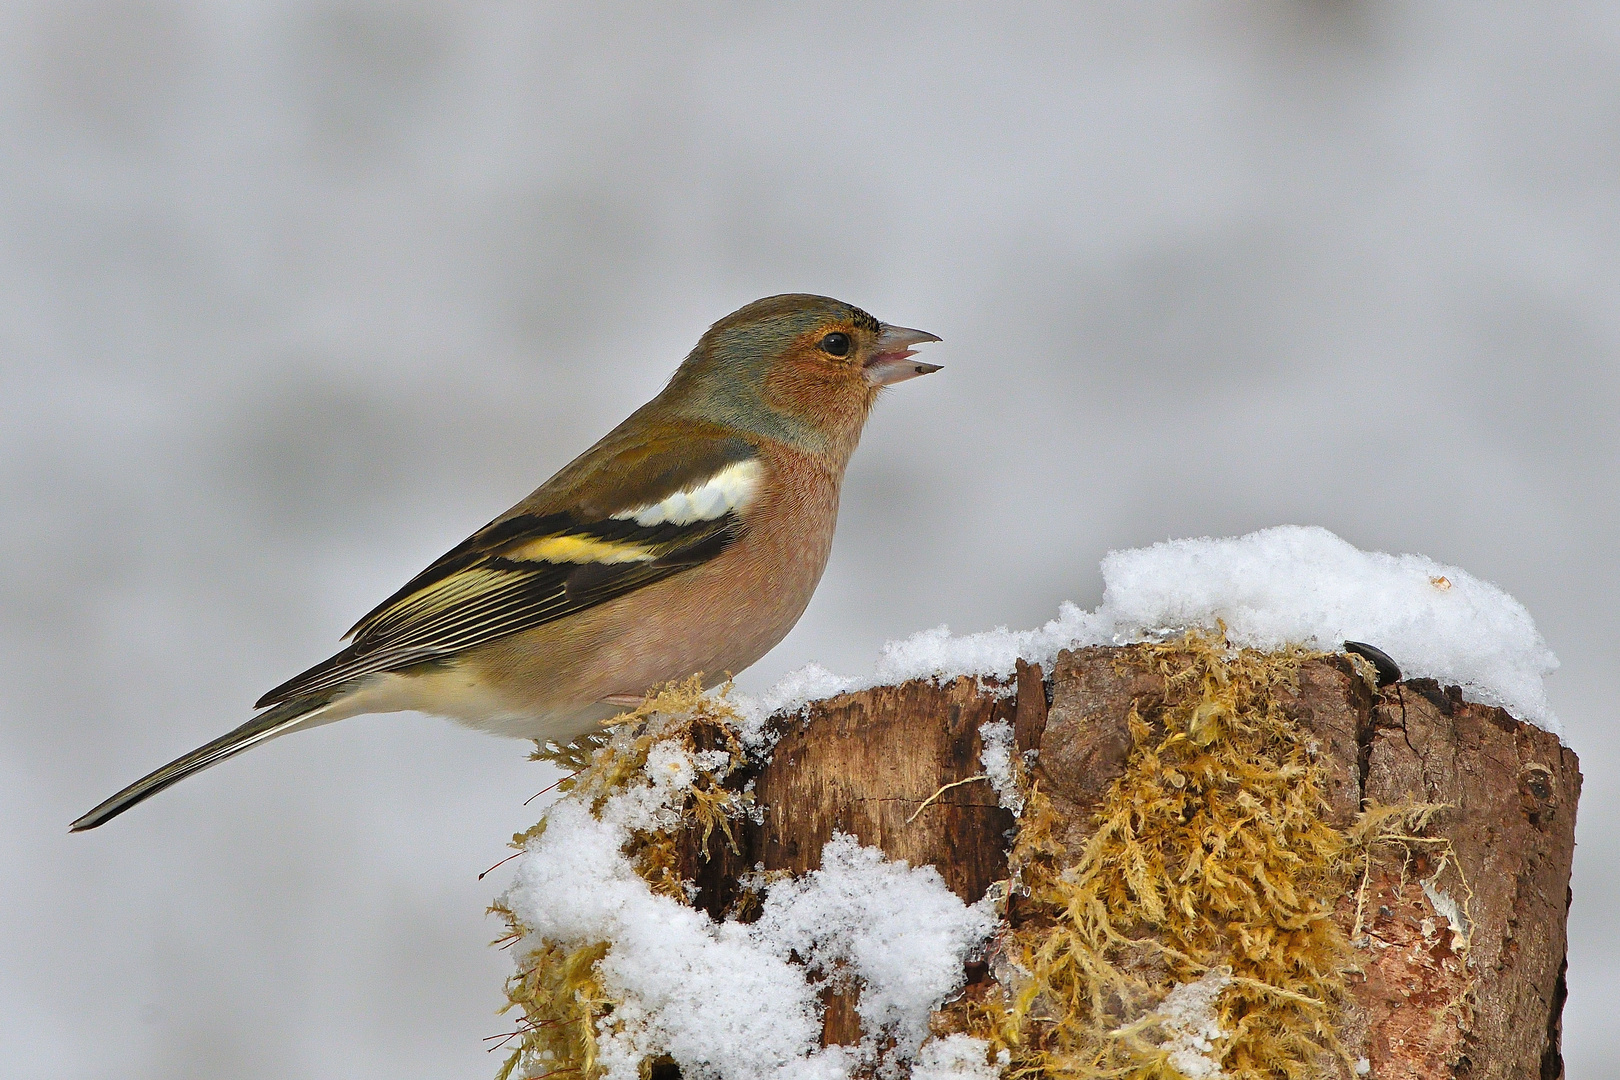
[295,295]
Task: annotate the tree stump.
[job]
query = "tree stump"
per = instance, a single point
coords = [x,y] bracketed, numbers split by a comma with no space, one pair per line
[1453,887]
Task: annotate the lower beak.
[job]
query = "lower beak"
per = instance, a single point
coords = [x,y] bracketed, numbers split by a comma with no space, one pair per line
[891,362]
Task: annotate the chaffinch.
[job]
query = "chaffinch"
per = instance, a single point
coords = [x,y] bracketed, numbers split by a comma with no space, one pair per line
[688,540]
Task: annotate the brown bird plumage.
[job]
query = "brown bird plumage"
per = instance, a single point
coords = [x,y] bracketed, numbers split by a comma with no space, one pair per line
[689,539]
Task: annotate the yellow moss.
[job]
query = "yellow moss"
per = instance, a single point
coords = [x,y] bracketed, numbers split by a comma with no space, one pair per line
[573,756]
[1210,852]
[562,999]
[559,990]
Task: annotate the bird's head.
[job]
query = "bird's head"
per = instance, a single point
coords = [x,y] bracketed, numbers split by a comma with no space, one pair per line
[796,366]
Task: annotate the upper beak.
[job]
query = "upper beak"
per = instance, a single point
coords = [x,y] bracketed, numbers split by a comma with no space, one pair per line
[891,362]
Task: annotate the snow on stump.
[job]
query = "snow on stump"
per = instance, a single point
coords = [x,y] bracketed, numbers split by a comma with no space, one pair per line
[1184,856]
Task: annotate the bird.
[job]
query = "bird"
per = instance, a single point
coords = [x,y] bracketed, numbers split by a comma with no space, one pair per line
[687,541]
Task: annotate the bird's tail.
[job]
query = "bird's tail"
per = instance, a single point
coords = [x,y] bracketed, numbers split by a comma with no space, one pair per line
[279,720]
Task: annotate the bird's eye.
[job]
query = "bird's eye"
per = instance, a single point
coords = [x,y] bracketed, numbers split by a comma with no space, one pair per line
[835,344]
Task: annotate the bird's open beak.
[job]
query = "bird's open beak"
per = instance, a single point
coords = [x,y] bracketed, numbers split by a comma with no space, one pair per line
[892,362]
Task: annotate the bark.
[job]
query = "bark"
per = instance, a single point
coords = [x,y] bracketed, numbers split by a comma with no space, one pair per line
[1513,790]
[1430,995]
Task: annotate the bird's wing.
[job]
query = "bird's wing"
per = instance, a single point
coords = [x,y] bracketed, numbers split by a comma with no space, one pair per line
[566,548]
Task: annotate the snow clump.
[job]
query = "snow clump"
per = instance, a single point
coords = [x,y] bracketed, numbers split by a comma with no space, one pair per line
[723,998]
[1285,585]
[957,1057]
[1187,1016]
[996,757]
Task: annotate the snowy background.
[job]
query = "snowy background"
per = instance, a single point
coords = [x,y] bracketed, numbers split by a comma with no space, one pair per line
[293,296]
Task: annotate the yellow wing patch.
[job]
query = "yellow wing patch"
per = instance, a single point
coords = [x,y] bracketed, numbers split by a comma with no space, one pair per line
[580,549]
